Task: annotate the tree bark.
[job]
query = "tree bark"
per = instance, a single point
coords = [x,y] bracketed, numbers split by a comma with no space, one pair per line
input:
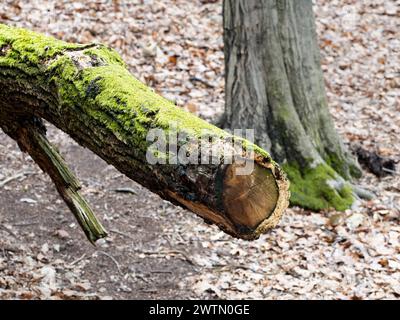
[275,85]
[86,91]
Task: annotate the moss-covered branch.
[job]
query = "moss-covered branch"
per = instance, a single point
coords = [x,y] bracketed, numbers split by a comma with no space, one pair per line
[86,91]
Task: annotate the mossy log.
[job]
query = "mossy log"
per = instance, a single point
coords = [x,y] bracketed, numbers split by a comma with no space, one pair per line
[87,92]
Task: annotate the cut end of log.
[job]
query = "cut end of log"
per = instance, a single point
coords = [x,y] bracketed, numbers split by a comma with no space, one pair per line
[251,204]
[249,199]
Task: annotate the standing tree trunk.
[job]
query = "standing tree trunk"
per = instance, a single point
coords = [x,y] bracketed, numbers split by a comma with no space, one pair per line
[274,84]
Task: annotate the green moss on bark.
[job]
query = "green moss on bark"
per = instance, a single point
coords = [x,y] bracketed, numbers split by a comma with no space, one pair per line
[318,188]
[94,78]
[347,168]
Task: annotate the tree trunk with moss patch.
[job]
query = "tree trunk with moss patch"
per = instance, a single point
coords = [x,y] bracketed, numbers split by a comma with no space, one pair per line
[275,85]
[86,91]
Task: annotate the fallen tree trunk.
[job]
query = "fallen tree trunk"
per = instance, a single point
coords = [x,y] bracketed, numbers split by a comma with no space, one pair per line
[86,91]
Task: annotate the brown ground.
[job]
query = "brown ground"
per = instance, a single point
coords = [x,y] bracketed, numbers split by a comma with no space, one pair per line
[156,250]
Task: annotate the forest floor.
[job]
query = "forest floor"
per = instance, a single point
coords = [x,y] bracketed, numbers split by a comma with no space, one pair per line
[156,250]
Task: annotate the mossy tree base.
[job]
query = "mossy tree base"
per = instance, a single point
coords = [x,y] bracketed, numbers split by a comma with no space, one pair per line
[319,188]
[86,91]
[275,85]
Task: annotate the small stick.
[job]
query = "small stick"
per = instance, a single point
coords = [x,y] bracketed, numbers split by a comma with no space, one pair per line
[207,84]
[121,233]
[15,177]
[77,260]
[125,190]
[390,171]
[167,252]
[113,260]
[25,224]
[8,230]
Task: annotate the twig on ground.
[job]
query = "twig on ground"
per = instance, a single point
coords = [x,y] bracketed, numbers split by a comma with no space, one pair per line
[9,231]
[10,248]
[16,176]
[168,252]
[77,260]
[207,84]
[25,224]
[121,233]
[138,276]
[160,271]
[125,190]
[113,260]
[390,171]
